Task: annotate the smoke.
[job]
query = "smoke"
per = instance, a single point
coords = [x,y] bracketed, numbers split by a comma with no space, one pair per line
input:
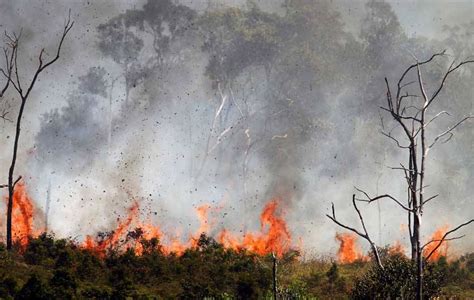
[110,123]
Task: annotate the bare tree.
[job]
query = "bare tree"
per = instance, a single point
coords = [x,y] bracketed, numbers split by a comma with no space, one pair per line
[409,108]
[14,78]
[9,52]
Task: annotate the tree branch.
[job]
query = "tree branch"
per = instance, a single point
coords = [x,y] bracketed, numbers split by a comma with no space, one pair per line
[394,139]
[449,131]
[9,63]
[443,239]
[364,235]
[370,199]
[450,70]
[430,198]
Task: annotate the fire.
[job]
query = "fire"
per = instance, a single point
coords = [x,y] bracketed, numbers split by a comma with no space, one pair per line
[348,249]
[202,212]
[22,216]
[114,238]
[442,250]
[273,236]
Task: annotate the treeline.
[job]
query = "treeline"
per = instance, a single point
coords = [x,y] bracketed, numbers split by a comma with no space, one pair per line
[52,268]
[279,84]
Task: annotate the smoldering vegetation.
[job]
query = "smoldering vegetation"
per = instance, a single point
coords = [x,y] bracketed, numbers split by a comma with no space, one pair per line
[235,104]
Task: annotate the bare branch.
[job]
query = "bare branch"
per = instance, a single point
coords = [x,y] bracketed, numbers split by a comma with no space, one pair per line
[394,112]
[400,86]
[437,115]
[449,132]
[16,181]
[370,199]
[401,116]
[443,239]
[407,96]
[406,84]
[67,27]
[9,62]
[450,70]
[430,198]
[394,139]
[2,186]
[364,235]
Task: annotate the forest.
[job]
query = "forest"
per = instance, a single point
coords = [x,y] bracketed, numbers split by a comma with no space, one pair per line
[221,150]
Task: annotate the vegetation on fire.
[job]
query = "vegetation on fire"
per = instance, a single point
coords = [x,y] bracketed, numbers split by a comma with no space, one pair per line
[50,268]
[136,259]
[290,51]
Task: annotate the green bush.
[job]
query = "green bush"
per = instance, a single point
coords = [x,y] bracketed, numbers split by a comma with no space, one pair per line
[63,284]
[35,288]
[397,280]
[8,288]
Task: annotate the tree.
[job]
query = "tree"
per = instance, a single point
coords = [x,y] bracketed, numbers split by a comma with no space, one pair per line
[10,54]
[24,91]
[410,110]
[121,38]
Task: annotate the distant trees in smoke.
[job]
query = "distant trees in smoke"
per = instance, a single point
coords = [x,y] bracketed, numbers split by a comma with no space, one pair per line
[283,84]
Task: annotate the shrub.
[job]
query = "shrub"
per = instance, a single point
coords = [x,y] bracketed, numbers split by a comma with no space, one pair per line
[8,288]
[35,288]
[63,284]
[397,280]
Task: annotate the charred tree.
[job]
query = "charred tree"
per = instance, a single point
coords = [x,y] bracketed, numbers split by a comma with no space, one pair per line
[274,276]
[24,91]
[410,110]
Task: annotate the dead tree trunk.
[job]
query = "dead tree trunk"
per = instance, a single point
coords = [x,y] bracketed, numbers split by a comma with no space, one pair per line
[24,94]
[274,276]
[409,108]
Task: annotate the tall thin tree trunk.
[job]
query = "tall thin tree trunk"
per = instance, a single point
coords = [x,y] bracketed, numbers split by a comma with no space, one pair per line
[11,184]
[48,202]
[274,277]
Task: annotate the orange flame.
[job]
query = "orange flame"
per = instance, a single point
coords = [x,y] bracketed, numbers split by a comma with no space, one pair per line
[348,249]
[274,236]
[442,250]
[113,239]
[22,216]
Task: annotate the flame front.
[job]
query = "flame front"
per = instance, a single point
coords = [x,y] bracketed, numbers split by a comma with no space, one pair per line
[273,236]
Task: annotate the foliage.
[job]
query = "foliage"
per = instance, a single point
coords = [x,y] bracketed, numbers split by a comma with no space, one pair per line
[236,39]
[397,280]
[52,268]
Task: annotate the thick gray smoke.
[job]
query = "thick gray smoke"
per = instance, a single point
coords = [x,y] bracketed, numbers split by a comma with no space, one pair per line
[232,103]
